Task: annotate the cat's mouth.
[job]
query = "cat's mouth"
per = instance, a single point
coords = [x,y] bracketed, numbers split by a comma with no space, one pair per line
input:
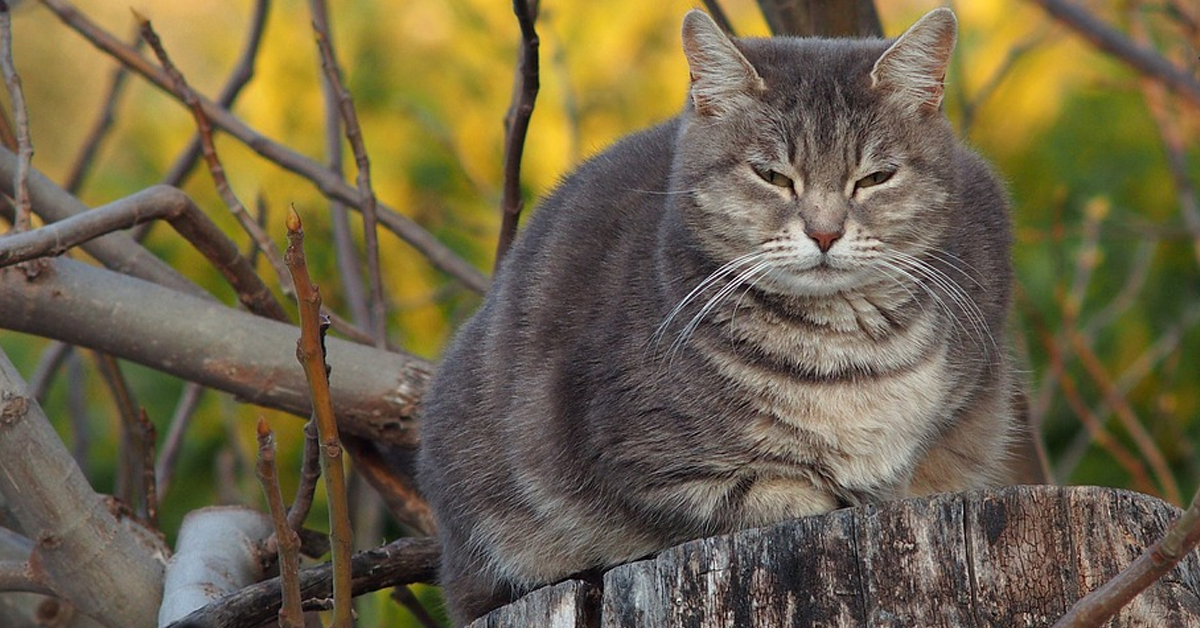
[821,277]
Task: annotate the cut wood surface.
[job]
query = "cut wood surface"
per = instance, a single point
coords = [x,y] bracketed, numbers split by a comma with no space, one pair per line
[1012,557]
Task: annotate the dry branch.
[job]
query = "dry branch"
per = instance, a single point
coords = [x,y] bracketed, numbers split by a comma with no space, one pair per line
[57,508]
[153,203]
[400,562]
[217,553]
[287,541]
[91,143]
[310,351]
[117,251]
[20,117]
[205,342]
[1108,39]
[1095,608]
[343,240]
[184,92]
[241,74]
[525,90]
[370,210]
[328,182]
[826,19]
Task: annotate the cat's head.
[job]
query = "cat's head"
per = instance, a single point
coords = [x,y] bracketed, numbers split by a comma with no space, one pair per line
[822,160]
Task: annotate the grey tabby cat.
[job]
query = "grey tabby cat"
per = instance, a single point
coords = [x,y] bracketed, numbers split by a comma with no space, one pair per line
[788,299]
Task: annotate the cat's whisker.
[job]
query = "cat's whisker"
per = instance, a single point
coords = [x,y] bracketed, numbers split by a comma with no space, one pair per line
[954,262]
[763,262]
[725,269]
[953,290]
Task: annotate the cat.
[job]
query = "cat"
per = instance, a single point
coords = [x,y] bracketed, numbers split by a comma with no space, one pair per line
[788,299]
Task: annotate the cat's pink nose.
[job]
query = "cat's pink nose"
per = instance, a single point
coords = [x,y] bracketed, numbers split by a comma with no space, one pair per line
[825,239]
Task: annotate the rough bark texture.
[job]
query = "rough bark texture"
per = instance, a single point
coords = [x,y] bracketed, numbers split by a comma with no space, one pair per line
[1008,558]
[203,341]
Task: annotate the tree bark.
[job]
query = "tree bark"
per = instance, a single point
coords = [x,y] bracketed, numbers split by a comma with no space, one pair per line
[822,18]
[203,341]
[1017,556]
[78,541]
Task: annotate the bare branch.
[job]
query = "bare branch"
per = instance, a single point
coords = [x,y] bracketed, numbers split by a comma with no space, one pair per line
[129,488]
[242,72]
[400,562]
[310,472]
[310,351]
[117,251]
[206,342]
[718,15]
[1104,37]
[91,143]
[1156,561]
[287,541]
[53,503]
[343,240]
[825,19]
[184,92]
[157,202]
[21,117]
[326,181]
[333,76]
[525,90]
[19,575]
[165,469]
[405,597]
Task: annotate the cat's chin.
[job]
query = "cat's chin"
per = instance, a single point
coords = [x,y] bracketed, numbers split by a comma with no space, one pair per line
[821,281]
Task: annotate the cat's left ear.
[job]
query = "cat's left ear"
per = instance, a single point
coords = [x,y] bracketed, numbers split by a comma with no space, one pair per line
[913,69]
[721,75]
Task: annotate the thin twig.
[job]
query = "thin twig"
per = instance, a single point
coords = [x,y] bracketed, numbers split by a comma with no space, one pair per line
[406,598]
[215,168]
[148,435]
[403,561]
[310,472]
[718,15]
[343,240]
[153,203]
[1125,412]
[172,444]
[291,615]
[91,144]
[21,118]
[1095,608]
[1174,144]
[1104,37]
[333,74]
[525,90]
[129,487]
[970,106]
[395,486]
[1102,437]
[310,351]
[239,77]
[326,181]
[52,359]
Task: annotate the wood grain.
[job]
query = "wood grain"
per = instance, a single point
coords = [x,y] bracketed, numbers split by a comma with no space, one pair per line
[1005,558]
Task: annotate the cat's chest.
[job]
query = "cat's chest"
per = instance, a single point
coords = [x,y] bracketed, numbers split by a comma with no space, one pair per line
[857,401]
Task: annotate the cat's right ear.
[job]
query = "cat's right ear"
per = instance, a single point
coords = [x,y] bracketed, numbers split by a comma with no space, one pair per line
[721,75]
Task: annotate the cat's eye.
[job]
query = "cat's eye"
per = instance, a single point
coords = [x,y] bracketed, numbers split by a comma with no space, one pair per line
[874,179]
[774,177]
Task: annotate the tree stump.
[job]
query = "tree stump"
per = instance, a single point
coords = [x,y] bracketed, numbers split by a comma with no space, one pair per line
[1012,557]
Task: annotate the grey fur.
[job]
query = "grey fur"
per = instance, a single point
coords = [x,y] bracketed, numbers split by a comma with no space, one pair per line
[668,353]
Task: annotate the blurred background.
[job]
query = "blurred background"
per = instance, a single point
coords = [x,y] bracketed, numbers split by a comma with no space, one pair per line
[1108,231]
